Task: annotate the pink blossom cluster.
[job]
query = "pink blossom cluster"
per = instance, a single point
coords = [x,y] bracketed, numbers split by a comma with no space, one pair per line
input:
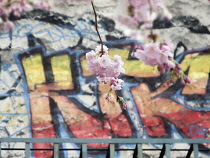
[16,7]
[142,13]
[177,73]
[156,54]
[106,69]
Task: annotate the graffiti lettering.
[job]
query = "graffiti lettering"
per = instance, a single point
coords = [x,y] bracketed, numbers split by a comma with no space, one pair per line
[58,86]
[62,98]
[55,90]
[198,132]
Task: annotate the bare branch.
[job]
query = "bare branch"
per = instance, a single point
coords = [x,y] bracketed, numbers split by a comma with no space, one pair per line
[96,27]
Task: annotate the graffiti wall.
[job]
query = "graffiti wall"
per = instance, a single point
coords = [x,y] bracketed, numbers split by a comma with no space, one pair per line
[46,90]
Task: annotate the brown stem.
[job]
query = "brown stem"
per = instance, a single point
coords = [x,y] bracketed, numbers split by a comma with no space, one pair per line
[152,36]
[150,7]
[96,27]
[118,97]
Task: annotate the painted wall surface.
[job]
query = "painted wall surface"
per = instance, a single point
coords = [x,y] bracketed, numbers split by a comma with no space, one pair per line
[46,90]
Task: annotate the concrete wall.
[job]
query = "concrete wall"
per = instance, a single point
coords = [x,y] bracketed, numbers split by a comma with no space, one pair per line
[46,91]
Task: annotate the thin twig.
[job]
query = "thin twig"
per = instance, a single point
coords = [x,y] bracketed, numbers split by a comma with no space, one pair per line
[150,7]
[96,27]
[151,30]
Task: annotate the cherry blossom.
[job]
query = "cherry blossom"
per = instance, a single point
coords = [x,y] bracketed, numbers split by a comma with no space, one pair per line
[159,54]
[155,54]
[141,13]
[16,8]
[105,68]
[177,73]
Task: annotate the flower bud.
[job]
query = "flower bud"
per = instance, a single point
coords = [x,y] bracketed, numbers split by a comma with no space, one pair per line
[161,69]
[108,97]
[187,79]
[183,82]
[178,66]
[9,25]
[125,106]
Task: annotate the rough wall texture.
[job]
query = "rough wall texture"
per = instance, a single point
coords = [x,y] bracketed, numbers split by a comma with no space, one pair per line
[46,91]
